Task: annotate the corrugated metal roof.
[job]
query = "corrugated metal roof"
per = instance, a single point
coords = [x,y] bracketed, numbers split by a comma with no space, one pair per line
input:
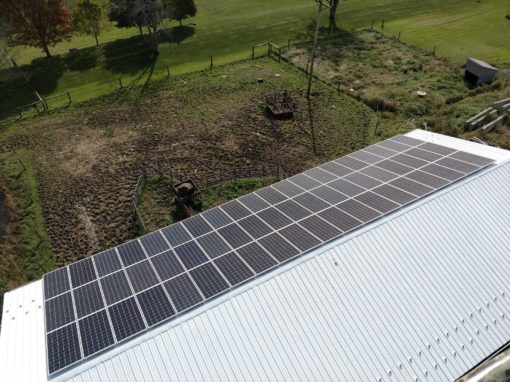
[423,287]
[421,297]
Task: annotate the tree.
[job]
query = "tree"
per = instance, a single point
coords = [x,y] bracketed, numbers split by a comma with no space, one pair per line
[39,23]
[181,9]
[88,19]
[333,5]
[149,13]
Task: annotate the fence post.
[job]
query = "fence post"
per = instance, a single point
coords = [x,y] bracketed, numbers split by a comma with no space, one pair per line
[253,53]
[288,44]
[372,27]
[279,54]
[398,38]
[434,51]
[69,97]
[120,82]
[382,24]
[211,62]
[168,71]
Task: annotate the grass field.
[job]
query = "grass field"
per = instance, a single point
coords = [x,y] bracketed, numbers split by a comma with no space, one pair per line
[226,29]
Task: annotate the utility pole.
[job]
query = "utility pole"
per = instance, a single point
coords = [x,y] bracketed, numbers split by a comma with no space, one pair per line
[316,38]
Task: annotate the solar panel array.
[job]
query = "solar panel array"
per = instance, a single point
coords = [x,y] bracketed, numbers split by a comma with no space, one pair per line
[112,296]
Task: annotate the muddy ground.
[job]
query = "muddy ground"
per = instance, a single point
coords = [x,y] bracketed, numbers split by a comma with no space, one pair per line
[88,158]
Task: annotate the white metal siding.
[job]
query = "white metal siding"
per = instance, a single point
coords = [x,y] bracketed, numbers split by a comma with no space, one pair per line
[423,296]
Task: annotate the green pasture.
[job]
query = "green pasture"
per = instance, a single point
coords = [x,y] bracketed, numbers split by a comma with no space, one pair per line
[226,30]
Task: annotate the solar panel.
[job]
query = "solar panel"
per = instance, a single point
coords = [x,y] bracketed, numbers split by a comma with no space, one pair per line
[95,332]
[126,319]
[155,305]
[107,262]
[131,253]
[88,299]
[100,301]
[153,243]
[115,287]
[82,272]
[234,269]
[167,265]
[190,254]
[183,292]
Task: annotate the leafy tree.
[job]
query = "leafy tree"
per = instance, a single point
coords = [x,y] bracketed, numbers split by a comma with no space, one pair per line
[148,13]
[88,19]
[181,9]
[39,23]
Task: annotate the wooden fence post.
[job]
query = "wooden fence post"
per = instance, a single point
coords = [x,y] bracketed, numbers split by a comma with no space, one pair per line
[168,72]
[120,82]
[382,24]
[69,97]
[372,27]
[253,53]
[288,44]
[211,62]
[398,38]
[434,51]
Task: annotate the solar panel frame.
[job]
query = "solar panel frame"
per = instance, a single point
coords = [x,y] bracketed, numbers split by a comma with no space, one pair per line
[363,180]
[329,194]
[209,280]
[379,173]
[341,220]
[235,210]
[443,172]
[287,188]
[411,186]
[358,210]
[351,163]
[197,226]
[213,245]
[254,202]
[407,140]
[293,210]
[216,218]
[280,248]
[274,218]
[425,155]
[155,305]
[234,235]
[299,237]
[320,228]
[190,254]
[321,175]
[471,158]
[457,165]
[59,311]
[305,182]
[56,282]
[270,195]
[255,226]
[377,202]
[176,234]
[63,348]
[142,276]
[256,257]
[311,202]
[395,194]
[345,187]
[336,169]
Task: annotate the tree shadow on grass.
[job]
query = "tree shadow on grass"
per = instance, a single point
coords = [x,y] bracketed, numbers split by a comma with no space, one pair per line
[128,56]
[81,60]
[176,35]
[17,85]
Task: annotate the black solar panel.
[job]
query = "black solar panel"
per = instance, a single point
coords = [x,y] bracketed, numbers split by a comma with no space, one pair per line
[152,279]
[154,243]
[235,210]
[56,282]
[59,311]
[155,305]
[167,265]
[255,227]
[270,195]
[183,292]
[293,210]
[216,217]
[299,237]
[213,245]
[63,348]
[234,269]
[107,262]
[209,280]
[256,257]
[176,234]
[115,287]
[82,272]
[142,276]
[197,226]
[88,299]
[131,253]
[126,319]
[279,247]
[234,235]
[190,254]
[95,332]
[253,202]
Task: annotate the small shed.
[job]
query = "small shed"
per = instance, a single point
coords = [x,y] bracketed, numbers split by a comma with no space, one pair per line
[479,72]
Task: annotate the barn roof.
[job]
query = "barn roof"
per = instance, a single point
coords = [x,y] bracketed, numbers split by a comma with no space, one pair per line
[421,294]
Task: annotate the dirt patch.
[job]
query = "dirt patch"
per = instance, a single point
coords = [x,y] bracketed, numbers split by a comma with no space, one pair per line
[196,125]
